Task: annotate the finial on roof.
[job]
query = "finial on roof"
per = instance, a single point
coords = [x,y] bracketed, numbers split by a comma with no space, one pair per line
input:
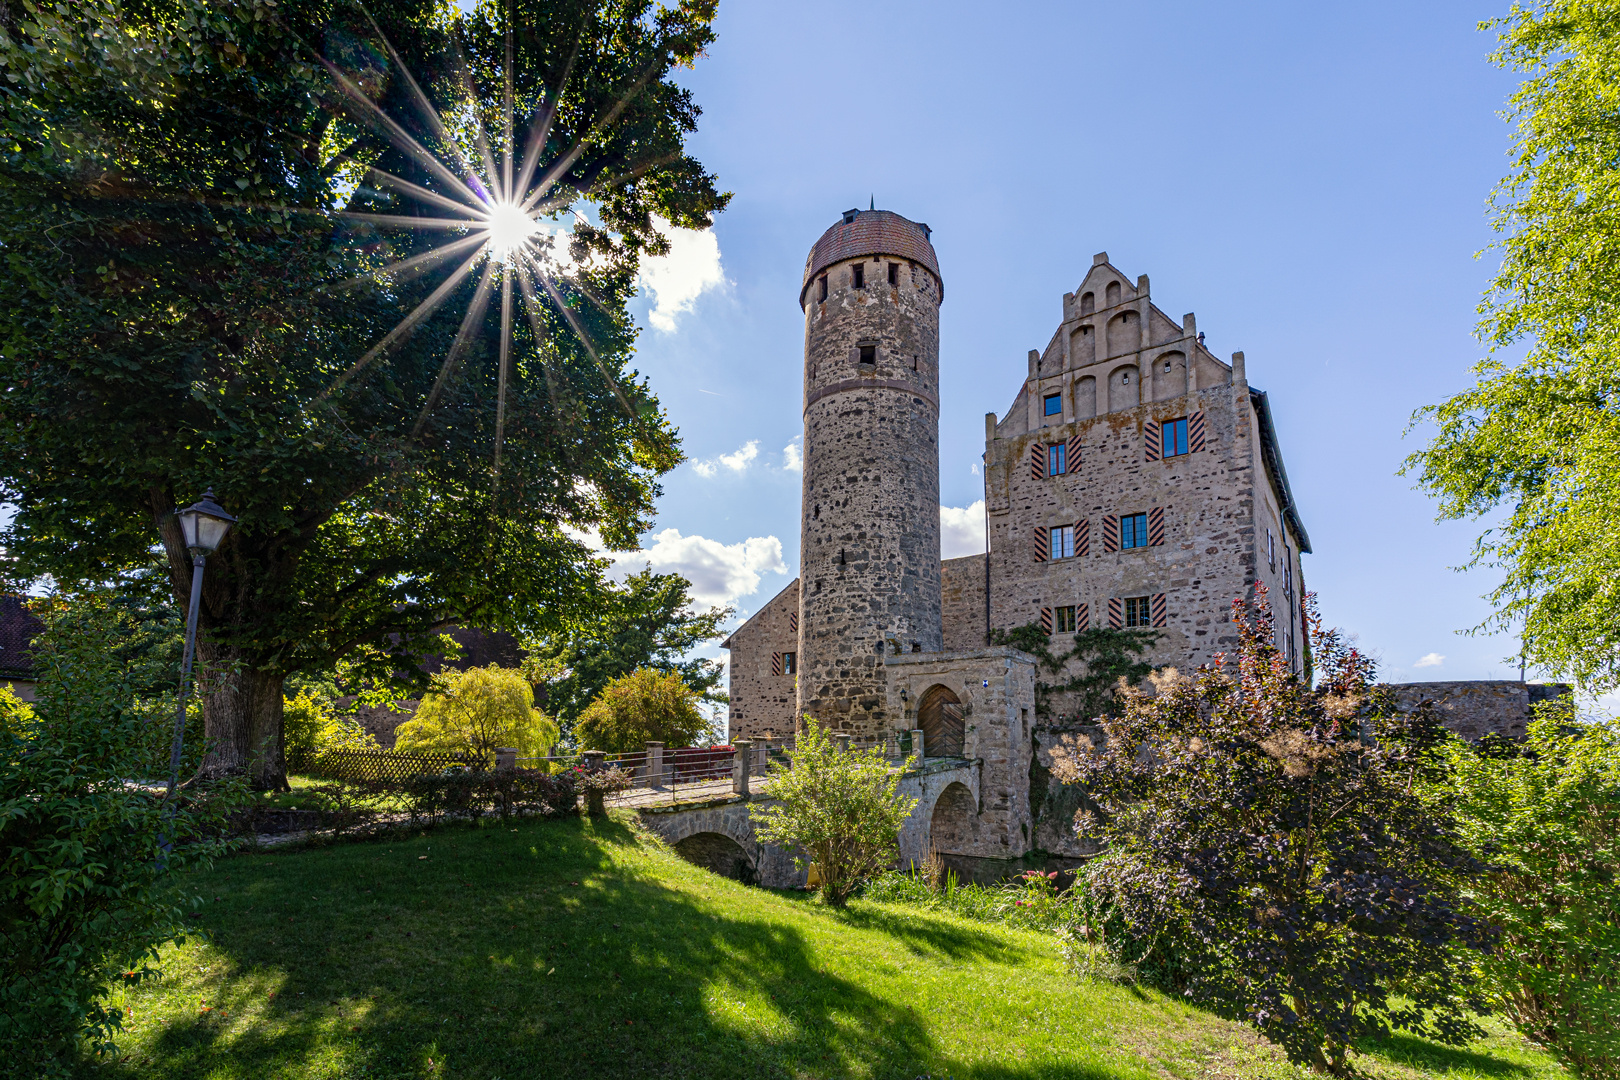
[872,203]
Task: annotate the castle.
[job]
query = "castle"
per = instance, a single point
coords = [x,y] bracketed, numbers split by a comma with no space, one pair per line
[1135,481]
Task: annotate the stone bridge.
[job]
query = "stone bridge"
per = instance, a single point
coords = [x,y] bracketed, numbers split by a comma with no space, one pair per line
[713,829]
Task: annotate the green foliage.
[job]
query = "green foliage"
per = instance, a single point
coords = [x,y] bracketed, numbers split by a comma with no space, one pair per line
[1031,901]
[88,861]
[1104,656]
[311,725]
[1539,441]
[648,622]
[16,715]
[838,809]
[1548,819]
[643,706]
[186,286]
[1296,866]
[479,710]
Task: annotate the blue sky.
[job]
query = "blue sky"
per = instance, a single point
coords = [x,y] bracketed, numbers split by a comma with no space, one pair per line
[1310,179]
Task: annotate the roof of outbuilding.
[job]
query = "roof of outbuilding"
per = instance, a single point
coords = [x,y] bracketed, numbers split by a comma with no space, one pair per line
[871,232]
[17,630]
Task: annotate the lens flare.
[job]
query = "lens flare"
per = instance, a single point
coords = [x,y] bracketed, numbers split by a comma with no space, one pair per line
[498,213]
[509,229]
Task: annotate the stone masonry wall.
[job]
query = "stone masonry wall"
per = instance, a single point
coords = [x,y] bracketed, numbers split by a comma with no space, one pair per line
[997,687]
[1474,709]
[962,610]
[869,540]
[763,692]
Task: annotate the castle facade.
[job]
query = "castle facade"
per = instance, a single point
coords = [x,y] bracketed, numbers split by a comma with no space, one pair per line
[1135,481]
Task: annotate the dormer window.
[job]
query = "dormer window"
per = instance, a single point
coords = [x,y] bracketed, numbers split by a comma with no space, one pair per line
[860,277]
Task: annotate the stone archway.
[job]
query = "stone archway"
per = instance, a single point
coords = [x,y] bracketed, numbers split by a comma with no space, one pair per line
[939,714]
[953,829]
[718,854]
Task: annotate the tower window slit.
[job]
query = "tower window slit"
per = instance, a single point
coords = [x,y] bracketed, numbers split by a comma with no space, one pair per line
[860,277]
[894,273]
[868,354]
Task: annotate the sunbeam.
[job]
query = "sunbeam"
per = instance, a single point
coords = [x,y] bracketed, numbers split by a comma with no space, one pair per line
[502,214]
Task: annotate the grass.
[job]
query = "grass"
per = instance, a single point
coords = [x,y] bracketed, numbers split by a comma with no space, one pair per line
[585,949]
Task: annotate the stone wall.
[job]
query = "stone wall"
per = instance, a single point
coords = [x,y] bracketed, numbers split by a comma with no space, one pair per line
[996,686]
[761,686]
[962,609]
[1474,709]
[869,536]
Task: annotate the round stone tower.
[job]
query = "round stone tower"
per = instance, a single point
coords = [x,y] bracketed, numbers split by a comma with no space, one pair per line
[869,539]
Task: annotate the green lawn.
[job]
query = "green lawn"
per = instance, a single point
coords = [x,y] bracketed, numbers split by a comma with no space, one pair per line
[570,948]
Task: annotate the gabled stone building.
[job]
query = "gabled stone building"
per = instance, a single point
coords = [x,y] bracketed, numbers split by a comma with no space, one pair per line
[1136,480]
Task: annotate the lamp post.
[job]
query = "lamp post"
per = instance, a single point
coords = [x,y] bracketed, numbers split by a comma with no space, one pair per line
[203,525]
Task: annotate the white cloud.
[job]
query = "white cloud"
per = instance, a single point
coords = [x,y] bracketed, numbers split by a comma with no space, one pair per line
[736,461]
[792,459]
[719,573]
[676,280]
[961,530]
[1433,659]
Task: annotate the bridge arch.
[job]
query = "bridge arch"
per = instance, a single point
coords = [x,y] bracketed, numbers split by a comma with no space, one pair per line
[953,824]
[719,854]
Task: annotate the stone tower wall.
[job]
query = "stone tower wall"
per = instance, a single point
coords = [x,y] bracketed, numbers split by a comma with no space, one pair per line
[869,539]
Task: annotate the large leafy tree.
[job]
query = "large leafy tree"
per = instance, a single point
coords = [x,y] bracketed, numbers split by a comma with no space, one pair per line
[215,275]
[1537,442]
[647,622]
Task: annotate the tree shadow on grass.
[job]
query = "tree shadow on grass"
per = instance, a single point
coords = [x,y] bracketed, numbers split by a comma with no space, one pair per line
[1401,1048]
[924,933]
[536,950]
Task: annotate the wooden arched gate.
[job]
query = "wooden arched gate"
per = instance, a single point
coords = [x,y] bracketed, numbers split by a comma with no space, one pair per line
[939,714]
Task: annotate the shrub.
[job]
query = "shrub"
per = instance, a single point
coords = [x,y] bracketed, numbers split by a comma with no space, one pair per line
[1549,819]
[310,727]
[1252,819]
[839,809]
[641,707]
[89,861]
[479,710]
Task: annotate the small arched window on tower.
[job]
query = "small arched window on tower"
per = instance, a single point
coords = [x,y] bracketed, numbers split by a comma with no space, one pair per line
[823,296]
[894,274]
[860,276]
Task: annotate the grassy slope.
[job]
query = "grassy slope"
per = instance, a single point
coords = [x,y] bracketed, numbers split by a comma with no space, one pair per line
[568,948]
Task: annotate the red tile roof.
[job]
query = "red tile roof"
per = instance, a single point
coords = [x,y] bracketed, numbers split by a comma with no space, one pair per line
[871,232]
[17,630]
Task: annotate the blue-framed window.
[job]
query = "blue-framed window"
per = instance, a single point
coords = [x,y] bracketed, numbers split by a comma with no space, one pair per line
[1057,459]
[1174,442]
[1132,531]
[1062,542]
[1053,404]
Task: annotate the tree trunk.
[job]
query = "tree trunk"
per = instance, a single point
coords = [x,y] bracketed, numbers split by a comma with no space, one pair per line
[240,692]
[241,717]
